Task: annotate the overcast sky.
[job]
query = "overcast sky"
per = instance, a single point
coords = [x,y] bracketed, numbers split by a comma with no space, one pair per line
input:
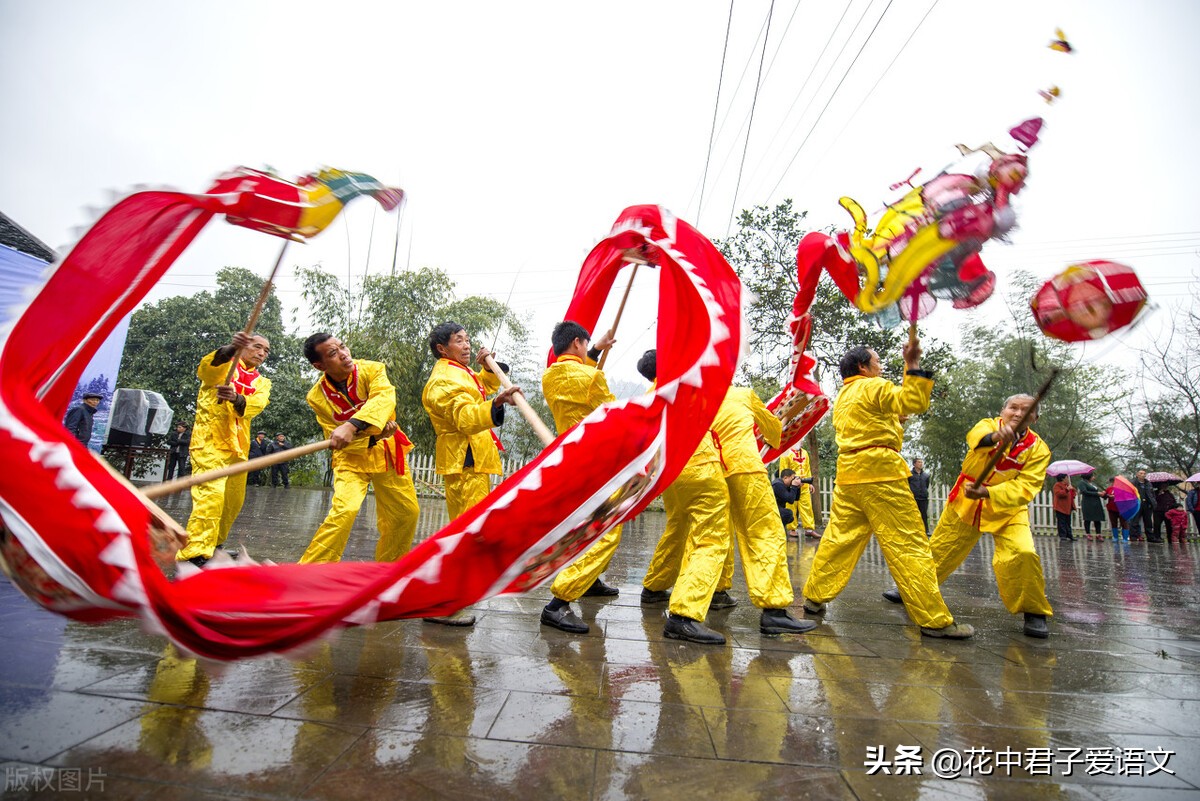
[521,130]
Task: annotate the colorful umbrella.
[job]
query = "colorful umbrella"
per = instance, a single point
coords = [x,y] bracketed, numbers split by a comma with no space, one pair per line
[1069,467]
[1125,496]
[1163,477]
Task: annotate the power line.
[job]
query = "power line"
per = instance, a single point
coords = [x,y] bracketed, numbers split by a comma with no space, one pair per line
[753,103]
[832,95]
[787,115]
[716,105]
[882,75]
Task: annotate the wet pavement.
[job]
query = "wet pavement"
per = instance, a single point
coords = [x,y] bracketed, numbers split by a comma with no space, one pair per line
[1107,708]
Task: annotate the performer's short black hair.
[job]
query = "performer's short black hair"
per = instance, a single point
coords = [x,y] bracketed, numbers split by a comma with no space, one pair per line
[441,334]
[648,365]
[786,473]
[565,333]
[310,346]
[853,359]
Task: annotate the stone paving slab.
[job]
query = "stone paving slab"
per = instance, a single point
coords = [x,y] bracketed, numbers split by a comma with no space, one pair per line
[512,709]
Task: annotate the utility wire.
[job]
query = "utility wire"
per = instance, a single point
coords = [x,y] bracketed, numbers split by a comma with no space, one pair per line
[753,103]
[832,95]
[716,105]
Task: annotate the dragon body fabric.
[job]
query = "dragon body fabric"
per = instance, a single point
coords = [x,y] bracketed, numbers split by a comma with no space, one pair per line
[80,541]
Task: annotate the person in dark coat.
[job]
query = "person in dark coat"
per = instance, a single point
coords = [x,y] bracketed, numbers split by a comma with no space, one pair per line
[279,472]
[787,491]
[1144,519]
[79,419]
[1164,502]
[178,443]
[1091,503]
[918,482]
[258,448]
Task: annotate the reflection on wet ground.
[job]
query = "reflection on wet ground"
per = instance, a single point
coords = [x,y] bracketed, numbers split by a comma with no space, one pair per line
[861,708]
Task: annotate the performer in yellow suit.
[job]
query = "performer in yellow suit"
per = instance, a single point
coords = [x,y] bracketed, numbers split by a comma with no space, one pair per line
[871,494]
[573,387]
[1000,506]
[355,405]
[221,437]
[796,459]
[752,511]
[693,546]
[467,450]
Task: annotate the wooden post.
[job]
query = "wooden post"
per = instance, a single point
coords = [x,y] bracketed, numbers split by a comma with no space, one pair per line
[257,311]
[531,417]
[187,482]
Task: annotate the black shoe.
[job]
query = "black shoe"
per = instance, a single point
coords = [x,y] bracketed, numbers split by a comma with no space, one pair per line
[780,621]
[199,561]
[1157,541]
[813,608]
[600,589]
[684,628]
[564,619]
[893,595]
[722,600]
[1036,626]
[651,597]
[452,620]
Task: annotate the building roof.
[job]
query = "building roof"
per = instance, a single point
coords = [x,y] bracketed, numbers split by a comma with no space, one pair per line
[17,238]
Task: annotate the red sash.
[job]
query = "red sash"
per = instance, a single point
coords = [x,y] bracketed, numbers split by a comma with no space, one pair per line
[1007,462]
[346,404]
[482,394]
[243,380]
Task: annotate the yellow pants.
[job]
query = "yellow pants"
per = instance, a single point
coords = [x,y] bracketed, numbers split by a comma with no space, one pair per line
[572,582]
[803,509]
[887,509]
[396,514]
[692,549]
[760,540]
[1016,564]
[464,490]
[215,504]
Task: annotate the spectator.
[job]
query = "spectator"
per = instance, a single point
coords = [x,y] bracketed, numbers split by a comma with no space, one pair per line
[1192,503]
[179,442]
[1119,524]
[1164,503]
[279,472]
[787,491]
[1064,504]
[1091,505]
[79,419]
[1144,519]
[258,449]
[918,482]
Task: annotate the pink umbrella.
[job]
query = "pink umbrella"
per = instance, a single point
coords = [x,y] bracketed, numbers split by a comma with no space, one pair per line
[1162,477]
[1069,467]
[1194,477]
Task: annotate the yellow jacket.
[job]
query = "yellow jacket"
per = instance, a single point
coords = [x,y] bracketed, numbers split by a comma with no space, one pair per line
[456,400]
[734,426]
[800,463]
[573,389]
[218,426]
[1018,477]
[369,397]
[866,422]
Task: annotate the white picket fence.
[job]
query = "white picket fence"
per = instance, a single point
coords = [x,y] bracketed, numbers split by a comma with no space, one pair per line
[1041,511]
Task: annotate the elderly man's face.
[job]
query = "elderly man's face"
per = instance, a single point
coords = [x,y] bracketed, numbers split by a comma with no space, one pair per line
[93,402]
[458,348]
[1141,475]
[257,351]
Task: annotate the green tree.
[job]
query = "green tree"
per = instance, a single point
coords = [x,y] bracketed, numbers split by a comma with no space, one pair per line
[763,253]
[1162,417]
[998,362]
[388,318]
[167,339]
